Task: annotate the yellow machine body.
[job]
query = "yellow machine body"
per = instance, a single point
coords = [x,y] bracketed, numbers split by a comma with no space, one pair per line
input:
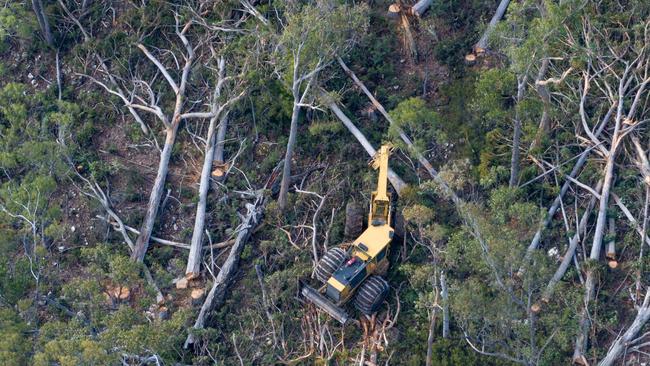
[370,249]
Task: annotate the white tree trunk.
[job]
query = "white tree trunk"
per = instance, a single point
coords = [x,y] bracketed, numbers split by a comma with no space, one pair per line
[445,305]
[286,171]
[142,244]
[221,138]
[516,138]
[394,179]
[217,293]
[573,244]
[194,258]
[481,45]
[420,7]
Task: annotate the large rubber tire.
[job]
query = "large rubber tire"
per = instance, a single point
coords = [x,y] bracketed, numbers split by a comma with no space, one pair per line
[353,221]
[371,294]
[329,263]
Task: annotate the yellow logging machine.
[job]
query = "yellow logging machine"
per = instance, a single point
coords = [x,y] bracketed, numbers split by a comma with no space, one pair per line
[357,272]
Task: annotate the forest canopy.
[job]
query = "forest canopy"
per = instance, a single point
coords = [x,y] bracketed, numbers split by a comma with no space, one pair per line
[176,173]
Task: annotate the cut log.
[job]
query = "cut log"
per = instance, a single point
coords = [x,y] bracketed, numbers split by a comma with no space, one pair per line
[217,293]
[611,245]
[163,313]
[534,244]
[197,296]
[120,293]
[182,283]
[418,9]
[394,179]
[481,45]
[421,7]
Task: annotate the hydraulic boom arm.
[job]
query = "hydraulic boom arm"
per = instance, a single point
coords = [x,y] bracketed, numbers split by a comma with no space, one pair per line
[379,206]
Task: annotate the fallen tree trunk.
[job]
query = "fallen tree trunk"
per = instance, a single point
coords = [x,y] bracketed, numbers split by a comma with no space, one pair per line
[516,138]
[610,254]
[142,243]
[630,218]
[573,244]
[556,203]
[394,179]
[217,293]
[622,342]
[481,45]
[418,9]
[194,259]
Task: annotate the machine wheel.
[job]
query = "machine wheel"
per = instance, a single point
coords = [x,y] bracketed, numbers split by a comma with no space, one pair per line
[371,294]
[329,263]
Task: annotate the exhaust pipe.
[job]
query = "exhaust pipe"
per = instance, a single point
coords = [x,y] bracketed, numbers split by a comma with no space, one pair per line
[325,304]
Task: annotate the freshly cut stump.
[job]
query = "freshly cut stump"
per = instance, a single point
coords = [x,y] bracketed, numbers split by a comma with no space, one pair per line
[353,220]
[371,295]
[329,263]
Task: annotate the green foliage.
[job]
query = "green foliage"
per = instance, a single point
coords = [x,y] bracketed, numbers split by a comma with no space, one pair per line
[417,120]
[14,345]
[15,23]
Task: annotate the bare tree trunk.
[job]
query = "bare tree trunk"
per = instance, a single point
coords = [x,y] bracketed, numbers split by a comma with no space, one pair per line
[217,293]
[481,45]
[221,138]
[516,138]
[37,5]
[394,179]
[430,338]
[286,171]
[556,203]
[445,305]
[142,244]
[610,254]
[420,7]
[194,258]
[623,342]
[573,244]
[590,283]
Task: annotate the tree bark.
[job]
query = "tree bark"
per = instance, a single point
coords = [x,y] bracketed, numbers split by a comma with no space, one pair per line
[394,179]
[194,258]
[481,45]
[445,305]
[421,7]
[221,139]
[286,171]
[556,203]
[573,244]
[610,254]
[142,244]
[516,138]
[217,293]
[44,24]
